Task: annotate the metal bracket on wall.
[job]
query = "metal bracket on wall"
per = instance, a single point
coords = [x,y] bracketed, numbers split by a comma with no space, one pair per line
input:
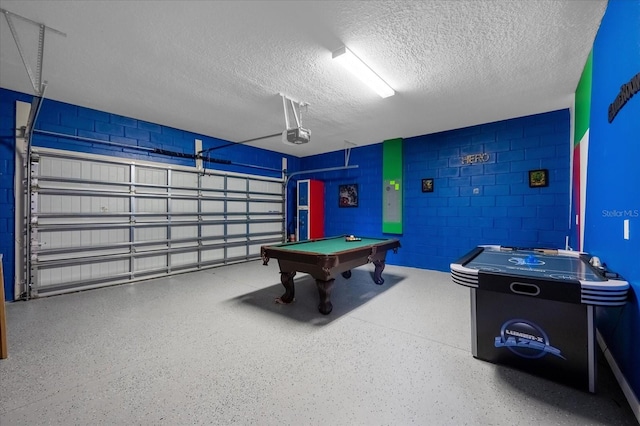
[347,151]
[36,79]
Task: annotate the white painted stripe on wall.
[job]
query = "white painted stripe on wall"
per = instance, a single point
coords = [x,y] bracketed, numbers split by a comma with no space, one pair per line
[584,157]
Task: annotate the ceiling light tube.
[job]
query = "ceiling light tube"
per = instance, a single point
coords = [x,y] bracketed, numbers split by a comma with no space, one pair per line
[363,72]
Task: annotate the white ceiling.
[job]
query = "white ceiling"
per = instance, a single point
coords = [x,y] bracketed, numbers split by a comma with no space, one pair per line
[217,67]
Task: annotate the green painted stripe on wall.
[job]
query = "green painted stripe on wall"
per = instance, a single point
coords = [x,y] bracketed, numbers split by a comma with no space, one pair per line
[392,186]
[583,101]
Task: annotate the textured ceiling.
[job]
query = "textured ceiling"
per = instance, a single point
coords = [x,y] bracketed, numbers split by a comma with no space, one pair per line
[217,67]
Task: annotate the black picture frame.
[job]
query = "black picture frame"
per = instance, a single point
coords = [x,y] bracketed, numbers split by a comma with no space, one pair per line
[348,195]
[427,185]
[538,178]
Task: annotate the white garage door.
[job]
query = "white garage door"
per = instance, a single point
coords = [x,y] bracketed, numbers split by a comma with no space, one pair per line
[100,221]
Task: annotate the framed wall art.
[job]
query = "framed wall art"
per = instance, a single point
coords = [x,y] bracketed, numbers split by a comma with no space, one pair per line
[538,178]
[427,185]
[348,195]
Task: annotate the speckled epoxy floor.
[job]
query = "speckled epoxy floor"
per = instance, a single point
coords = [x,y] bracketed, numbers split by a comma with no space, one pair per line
[212,347]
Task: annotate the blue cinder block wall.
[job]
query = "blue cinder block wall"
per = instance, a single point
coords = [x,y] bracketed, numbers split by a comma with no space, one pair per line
[136,139]
[487,202]
[482,203]
[613,181]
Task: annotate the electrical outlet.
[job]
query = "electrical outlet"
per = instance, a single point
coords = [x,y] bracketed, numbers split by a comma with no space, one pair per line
[626,229]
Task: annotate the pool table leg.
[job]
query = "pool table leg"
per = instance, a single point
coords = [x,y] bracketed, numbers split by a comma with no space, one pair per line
[377,274]
[286,278]
[324,291]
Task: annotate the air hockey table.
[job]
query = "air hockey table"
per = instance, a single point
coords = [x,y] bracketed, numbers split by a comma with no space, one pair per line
[534,309]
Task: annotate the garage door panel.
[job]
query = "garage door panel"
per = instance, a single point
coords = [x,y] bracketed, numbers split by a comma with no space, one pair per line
[82,204]
[105,172]
[107,205]
[184,258]
[265,187]
[184,206]
[82,238]
[93,254]
[80,169]
[265,207]
[271,228]
[264,218]
[103,220]
[64,168]
[52,277]
[210,255]
[150,234]
[236,184]
[151,205]
[234,252]
[236,206]
[213,230]
[151,176]
[146,263]
[184,179]
[182,232]
[254,249]
[213,206]
[213,182]
[76,222]
[236,229]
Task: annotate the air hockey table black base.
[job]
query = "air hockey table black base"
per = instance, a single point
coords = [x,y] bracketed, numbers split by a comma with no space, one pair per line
[534,310]
[550,339]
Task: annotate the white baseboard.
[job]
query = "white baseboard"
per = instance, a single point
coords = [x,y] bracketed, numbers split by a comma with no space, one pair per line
[622,381]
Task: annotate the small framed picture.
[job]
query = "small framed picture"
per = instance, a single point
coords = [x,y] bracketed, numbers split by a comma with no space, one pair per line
[348,195]
[538,178]
[427,185]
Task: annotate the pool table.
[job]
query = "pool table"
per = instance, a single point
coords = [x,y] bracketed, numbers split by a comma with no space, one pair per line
[324,259]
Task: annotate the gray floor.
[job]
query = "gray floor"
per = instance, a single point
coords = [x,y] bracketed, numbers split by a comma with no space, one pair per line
[212,347]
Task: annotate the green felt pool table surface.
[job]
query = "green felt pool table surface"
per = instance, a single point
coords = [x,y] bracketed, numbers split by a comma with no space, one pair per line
[329,246]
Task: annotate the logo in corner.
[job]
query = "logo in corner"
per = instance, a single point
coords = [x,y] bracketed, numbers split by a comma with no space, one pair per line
[525,339]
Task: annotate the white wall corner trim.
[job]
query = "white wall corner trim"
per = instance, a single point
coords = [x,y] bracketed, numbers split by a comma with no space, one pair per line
[622,381]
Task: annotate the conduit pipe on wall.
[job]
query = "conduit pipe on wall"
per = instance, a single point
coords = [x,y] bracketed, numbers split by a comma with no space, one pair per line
[154,150]
[286,187]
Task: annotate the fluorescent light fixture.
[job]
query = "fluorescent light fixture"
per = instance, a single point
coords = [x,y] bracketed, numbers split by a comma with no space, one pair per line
[363,72]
